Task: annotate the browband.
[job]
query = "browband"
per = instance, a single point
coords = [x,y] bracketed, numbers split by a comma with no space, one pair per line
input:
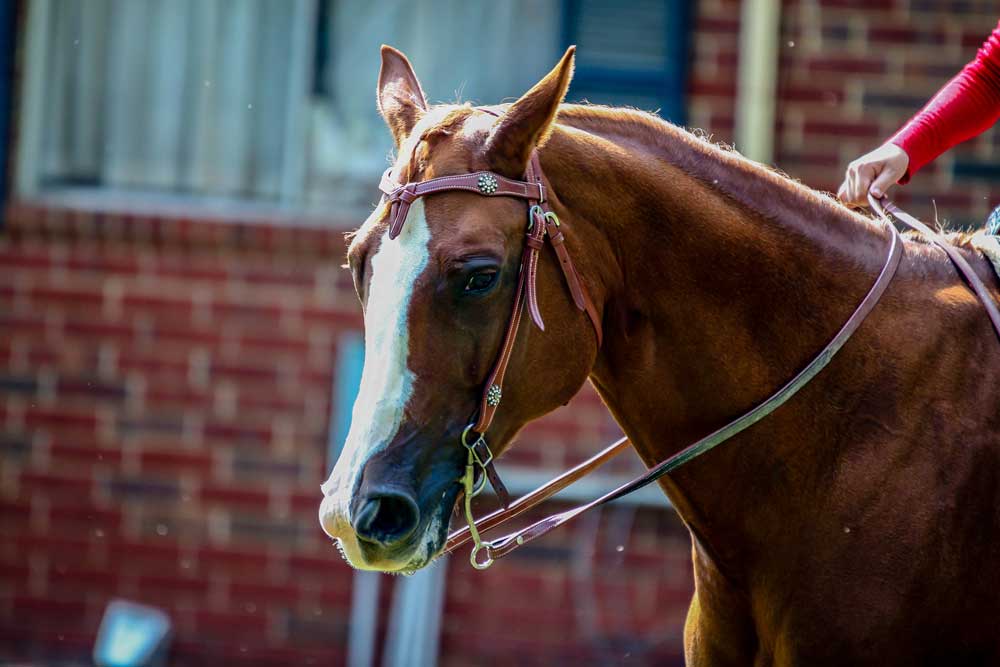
[481,182]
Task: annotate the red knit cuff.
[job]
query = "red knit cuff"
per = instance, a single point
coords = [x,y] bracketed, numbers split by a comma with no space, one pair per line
[906,142]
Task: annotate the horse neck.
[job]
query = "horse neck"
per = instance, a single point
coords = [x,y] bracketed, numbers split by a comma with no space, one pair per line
[726,279]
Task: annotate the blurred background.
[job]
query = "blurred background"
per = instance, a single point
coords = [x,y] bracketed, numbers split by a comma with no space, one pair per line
[179,347]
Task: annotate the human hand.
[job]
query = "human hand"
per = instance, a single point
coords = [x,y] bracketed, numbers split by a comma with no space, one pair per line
[873,172]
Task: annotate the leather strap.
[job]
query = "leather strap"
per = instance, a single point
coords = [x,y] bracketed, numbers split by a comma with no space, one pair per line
[498,548]
[485,183]
[493,389]
[884,208]
[539,495]
[581,298]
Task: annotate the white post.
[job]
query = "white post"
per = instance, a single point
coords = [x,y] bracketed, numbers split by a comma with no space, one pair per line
[760,28]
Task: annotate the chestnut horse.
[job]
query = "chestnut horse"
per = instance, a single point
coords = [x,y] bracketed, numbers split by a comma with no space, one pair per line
[857,524]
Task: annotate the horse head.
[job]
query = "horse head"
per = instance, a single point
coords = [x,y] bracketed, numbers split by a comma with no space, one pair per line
[437,296]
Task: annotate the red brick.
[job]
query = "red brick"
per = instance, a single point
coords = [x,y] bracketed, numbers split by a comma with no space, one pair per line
[188,335]
[21,257]
[268,399]
[264,595]
[89,388]
[83,450]
[899,34]
[244,498]
[846,65]
[6,352]
[305,502]
[57,485]
[31,325]
[331,568]
[84,519]
[257,343]
[230,559]
[316,378]
[861,4]
[176,395]
[154,363]
[945,200]
[66,578]
[132,554]
[710,25]
[263,314]
[720,122]
[48,610]
[728,60]
[167,306]
[70,357]
[802,93]
[216,430]
[15,515]
[211,623]
[186,268]
[936,72]
[843,128]
[244,369]
[334,317]
[75,296]
[102,263]
[336,597]
[14,571]
[829,159]
[172,584]
[712,87]
[101,330]
[176,460]
[38,417]
[57,548]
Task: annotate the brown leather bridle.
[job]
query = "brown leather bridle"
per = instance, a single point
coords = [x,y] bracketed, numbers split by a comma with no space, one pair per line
[543,223]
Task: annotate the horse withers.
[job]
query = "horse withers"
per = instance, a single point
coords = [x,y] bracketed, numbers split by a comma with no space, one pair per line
[857,524]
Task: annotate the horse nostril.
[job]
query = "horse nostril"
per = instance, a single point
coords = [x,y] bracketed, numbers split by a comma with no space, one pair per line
[387,518]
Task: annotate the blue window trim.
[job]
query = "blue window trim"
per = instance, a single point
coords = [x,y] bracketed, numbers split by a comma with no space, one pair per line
[346,382]
[668,85]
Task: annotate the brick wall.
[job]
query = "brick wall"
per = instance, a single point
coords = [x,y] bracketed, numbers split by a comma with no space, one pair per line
[164,397]
[851,73]
[166,388]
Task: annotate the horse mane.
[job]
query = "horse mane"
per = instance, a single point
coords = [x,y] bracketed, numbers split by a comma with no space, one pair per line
[695,152]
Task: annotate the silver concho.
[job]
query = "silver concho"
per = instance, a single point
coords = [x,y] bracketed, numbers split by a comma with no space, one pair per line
[493,396]
[487,184]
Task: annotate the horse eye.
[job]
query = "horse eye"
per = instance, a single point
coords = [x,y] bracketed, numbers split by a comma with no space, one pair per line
[480,281]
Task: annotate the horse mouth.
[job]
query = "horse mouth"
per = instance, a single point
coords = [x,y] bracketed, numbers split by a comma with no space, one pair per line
[421,549]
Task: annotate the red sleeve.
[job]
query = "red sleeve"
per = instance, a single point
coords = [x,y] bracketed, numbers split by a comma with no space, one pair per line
[968,105]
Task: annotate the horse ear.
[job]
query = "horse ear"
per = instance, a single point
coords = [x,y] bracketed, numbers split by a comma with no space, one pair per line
[528,122]
[400,98]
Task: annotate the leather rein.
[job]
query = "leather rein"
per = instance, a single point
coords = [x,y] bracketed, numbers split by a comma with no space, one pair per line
[544,223]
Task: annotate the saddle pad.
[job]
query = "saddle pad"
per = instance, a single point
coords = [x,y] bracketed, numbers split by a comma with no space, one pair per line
[989,245]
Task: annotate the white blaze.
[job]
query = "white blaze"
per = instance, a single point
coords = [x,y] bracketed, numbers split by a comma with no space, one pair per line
[386,382]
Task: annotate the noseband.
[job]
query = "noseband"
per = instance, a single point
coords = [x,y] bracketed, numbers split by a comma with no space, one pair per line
[543,223]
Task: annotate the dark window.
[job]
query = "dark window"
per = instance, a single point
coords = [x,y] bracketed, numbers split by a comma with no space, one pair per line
[630,53]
